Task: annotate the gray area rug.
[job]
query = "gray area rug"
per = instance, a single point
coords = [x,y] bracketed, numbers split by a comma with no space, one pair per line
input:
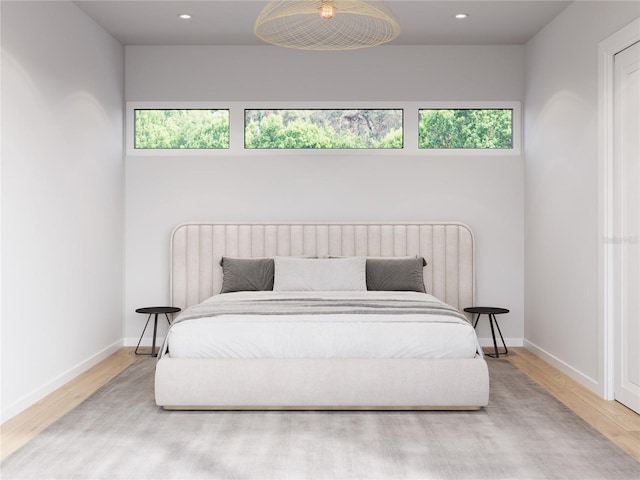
[119,433]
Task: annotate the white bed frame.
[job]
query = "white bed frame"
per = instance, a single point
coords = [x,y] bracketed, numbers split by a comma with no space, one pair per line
[322,384]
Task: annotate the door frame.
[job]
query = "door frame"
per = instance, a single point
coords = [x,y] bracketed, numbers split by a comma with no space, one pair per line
[607,49]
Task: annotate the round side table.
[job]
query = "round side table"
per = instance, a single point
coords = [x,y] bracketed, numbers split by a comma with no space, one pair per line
[490,312]
[154,311]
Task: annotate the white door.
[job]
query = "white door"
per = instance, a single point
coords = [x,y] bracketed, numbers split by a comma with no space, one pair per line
[627,226]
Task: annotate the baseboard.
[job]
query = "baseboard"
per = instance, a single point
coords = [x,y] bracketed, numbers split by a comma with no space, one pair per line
[146,341]
[38,394]
[565,368]
[510,342]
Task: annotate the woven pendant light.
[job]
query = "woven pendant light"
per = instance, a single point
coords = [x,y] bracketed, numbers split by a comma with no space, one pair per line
[326,24]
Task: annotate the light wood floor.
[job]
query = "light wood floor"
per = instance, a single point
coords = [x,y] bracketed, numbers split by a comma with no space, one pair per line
[23,427]
[613,420]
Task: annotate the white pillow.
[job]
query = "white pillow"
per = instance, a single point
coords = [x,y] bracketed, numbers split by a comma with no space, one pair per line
[304,274]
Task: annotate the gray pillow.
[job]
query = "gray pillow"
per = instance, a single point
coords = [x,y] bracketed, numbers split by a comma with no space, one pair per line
[397,274]
[246,274]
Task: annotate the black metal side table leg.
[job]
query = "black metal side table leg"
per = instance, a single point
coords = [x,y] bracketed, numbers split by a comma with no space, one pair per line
[492,320]
[155,329]
[493,334]
[142,335]
[506,351]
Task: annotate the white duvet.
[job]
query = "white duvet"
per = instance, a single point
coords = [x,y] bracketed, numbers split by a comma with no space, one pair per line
[351,335]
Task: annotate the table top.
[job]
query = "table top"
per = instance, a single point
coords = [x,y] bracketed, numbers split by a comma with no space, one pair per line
[486,310]
[151,310]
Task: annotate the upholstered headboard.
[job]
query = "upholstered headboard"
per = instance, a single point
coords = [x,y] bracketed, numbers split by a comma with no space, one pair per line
[196,250]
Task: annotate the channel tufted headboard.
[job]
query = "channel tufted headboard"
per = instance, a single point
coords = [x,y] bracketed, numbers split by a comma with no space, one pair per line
[196,250]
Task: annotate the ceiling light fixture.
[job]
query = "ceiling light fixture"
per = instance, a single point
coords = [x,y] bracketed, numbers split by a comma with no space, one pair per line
[327,9]
[326,24]
[184,16]
[460,16]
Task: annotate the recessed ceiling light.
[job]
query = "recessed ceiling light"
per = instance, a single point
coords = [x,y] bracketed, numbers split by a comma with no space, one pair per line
[462,15]
[184,16]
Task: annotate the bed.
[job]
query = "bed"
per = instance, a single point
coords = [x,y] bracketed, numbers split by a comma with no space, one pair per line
[323,349]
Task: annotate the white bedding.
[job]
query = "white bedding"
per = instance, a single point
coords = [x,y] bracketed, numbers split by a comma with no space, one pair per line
[323,336]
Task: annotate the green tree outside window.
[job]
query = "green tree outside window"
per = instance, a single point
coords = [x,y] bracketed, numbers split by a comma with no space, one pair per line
[466,128]
[179,129]
[323,129]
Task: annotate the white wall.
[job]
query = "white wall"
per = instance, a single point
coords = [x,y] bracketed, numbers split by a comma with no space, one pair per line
[484,192]
[561,179]
[62,197]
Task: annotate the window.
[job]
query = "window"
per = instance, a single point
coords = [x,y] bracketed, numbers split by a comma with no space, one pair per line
[323,129]
[181,129]
[468,128]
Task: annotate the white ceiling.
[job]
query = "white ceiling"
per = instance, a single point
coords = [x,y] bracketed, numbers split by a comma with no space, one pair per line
[230,22]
